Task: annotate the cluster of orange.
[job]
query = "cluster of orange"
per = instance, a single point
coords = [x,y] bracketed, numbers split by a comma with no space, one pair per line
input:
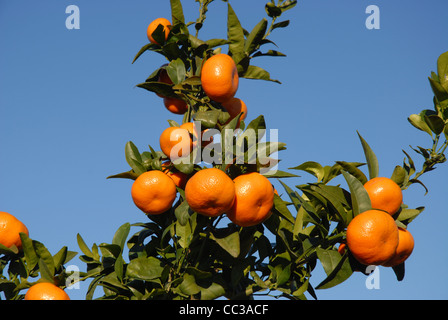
[10,229]
[247,200]
[373,237]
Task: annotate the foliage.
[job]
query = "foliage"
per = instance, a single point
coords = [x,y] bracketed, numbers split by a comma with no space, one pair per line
[183,255]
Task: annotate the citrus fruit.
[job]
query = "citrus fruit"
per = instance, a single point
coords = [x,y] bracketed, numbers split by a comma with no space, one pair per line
[10,227]
[153,192]
[210,192]
[219,77]
[176,106]
[234,107]
[384,194]
[153,26]
[372,237]
[175,142]
[404,249]
[254,198]
[179,178]
[46,291]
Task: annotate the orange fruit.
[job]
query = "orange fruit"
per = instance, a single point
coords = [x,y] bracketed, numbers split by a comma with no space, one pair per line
[153,192]
[342,248]
[10,227]
[404,249]
[210,192]
[179,178]
[234,107]
[177,106]
[46,291]
[372,237]
[194,132]
[254,199]
[175,142]
[219,77]
[153,26]
[384,194]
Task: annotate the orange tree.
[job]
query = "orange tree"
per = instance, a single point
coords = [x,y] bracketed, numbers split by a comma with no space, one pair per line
[181,253]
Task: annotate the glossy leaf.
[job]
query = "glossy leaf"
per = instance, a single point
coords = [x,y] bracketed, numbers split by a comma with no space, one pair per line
[360,197]
[372,161]
[255,36]
[230,243]
[177,14]
[144,268]
[336,267]
[313,168]
[235,34]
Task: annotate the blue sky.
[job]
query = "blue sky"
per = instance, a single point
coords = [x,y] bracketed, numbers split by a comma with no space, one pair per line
[68,105]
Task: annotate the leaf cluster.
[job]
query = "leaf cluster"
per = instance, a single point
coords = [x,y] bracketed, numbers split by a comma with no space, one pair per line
[33,263]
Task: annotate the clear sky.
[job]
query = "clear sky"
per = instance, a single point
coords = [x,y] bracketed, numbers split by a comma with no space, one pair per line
[68,105]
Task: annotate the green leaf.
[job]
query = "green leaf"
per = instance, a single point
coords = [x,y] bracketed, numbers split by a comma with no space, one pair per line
[28,249]
[144,268]
[435,123]
[313,168]
[45,257]
[270,53]
[161,88]
[360,197]
[235,34]
[121,235]
[214,291]
[399,176]
[149,46]
[133,158]
[176,71]
[407,215]
[230,243]
[60,257]
[177,13]
[208,118]
[336,267]
[439,91]
[417,121]
[188,285]
[281,208]
[124,175]
[45,271]
[372,161]
[353,170]
[184,233]
[83,246]
[255,36]
[257,73]
[442,70]
[182,213]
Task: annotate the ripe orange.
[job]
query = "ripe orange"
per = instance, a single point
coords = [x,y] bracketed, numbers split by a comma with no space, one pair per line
[177,106]
[153,26]
[10,227]
[219,77]
[384,194]
[179,178]
[404,249]
[254,198]
[210,192]
[153,192]
[46,291]
[175,142]
[372,237]
[342,248]
[234,107]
